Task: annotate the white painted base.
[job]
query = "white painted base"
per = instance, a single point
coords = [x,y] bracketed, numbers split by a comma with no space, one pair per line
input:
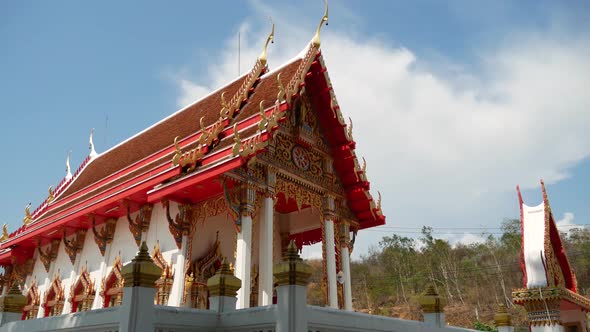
[6,317]
[435,319]
[505,329]
[222,303]
[550,328]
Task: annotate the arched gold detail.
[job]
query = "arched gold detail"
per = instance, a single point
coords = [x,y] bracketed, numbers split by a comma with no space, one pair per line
[33,299]
[164,284]
[112,285]
[82,291]
[316,37]
[53,299]
[50,254]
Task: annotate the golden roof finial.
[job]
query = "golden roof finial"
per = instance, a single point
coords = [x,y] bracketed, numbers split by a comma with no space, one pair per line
[316,38]
[4,233]
[51,195]
[271,37]
[349,132]
[27,219]
[379,200]
[364,168]
[68,169]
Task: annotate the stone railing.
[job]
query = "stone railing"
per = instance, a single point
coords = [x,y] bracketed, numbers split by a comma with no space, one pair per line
[291,313]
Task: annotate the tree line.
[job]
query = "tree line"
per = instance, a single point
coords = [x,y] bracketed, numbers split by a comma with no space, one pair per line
[473,278]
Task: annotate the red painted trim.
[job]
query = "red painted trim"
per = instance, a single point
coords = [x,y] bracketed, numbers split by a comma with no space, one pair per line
[190,180]
[521,256]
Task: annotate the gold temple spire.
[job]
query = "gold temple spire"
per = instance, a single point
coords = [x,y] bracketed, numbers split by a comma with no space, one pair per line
[51,194]
[28,218]
[4,233]
[316,37]
[263,58]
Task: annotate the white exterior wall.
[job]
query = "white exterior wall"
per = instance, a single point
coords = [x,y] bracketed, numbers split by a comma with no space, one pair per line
[204,237]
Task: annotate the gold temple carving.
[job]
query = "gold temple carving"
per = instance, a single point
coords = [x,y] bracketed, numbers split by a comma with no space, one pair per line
[82,292]
[164,284]
[49,255]
[181,224]
[105,235]
[53,298]
[141,222]
[74,246]
[111,288]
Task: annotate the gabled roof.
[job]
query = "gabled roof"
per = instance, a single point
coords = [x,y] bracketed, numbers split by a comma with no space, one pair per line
[142,164]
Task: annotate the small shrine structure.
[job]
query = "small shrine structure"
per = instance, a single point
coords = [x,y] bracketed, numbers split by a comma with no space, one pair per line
[550,295]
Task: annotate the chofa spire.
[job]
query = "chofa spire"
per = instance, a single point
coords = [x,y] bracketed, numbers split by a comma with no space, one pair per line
[68,168]
[316,38]
[263,57]
[93,153]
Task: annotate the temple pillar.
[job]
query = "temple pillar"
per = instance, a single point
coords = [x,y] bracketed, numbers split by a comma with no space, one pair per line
[244,246]
[330,252]
[177,290]
[345,252]
[265,249]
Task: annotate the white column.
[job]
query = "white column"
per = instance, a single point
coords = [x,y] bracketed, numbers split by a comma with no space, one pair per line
[265,251]
[331,263]
[143,237]
[98,300]
[243,260]
[178,284]
[347,282]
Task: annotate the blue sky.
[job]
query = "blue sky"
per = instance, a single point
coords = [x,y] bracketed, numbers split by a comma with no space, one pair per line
[451,79]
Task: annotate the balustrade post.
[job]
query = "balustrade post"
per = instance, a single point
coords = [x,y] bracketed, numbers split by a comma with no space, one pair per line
[292,276]
[223,288]
[137,309]
[432,307]
[12,305]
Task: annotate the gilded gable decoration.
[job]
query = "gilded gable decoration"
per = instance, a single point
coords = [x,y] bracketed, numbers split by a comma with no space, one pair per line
[111,289]
[33,299]
[181,224]
[18,271]
[74,245]
[53,299]
[49,255]
[164,284]
[105,235]
[82,292]
[211,135]
[141,222]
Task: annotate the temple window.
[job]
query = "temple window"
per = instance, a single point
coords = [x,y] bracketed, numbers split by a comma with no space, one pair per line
[32,307]
[53,301]
[112,286]
[82,292]
[164,284]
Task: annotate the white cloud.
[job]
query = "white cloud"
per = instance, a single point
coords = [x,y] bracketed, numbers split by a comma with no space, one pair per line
[566,224]
[442,144]
[312,252]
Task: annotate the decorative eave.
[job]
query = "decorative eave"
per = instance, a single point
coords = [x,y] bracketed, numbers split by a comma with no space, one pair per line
[522,296]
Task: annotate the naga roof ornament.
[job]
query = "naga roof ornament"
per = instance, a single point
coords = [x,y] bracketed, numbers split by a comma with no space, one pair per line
[4,233]
[68,169]
[316,37]
[263,58]
[28,218]
[93,153]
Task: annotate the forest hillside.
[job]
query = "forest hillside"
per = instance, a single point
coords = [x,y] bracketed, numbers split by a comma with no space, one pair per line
[473,278]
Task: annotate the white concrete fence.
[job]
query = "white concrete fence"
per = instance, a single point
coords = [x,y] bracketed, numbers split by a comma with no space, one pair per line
[291,313]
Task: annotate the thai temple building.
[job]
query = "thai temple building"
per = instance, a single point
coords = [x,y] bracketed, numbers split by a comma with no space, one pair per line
[550,295]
